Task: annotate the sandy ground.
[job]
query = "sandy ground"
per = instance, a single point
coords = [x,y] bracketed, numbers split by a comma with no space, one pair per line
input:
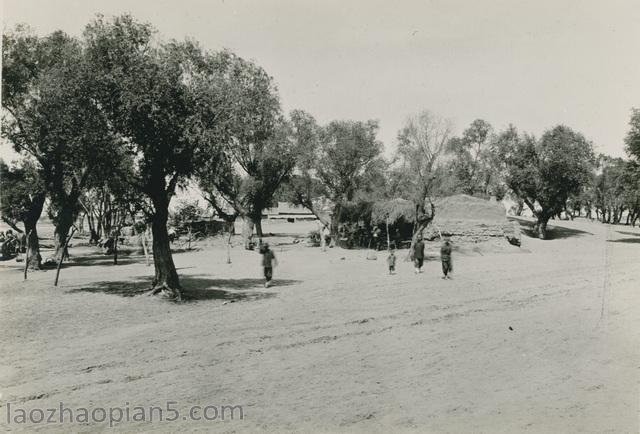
[545,339]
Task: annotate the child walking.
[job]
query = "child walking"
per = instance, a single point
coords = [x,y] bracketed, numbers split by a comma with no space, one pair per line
[268,262]
[391,261]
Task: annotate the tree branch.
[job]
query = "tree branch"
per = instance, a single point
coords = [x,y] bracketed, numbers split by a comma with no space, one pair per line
[11,223]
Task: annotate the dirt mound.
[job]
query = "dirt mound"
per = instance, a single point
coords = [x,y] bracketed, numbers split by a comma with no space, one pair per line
[463,207]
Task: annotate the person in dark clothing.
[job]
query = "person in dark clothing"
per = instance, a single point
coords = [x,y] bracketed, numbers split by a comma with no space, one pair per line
[391,261]
[418,254]
[268,262]
[445,257]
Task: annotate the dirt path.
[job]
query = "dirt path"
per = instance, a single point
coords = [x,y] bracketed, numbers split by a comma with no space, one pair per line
[338,345]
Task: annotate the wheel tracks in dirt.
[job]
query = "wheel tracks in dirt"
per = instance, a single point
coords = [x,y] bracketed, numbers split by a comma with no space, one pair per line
[376,325]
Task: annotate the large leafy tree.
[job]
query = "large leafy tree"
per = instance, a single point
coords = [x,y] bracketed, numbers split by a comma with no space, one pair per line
[22,198]
[616,190]
[250,178]
[337,163]
[631,180]
[477,164]
[610,189]
[421,143]
[51,116]
[304,187]
[261,150]
[631,175]
[348,151]
[544,173]
[166,101]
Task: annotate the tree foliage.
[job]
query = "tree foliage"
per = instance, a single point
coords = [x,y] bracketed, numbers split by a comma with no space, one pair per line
[616,190]
[632,140]
[421,143]
[168,102]
[52,116]
[544,173]
[260,150]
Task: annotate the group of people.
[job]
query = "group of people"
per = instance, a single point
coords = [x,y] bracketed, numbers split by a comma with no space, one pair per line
[11,244]
[417,255]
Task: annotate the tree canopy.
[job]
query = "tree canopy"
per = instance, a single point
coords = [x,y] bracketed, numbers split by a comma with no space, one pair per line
[51,115]
[171,104]
[545,172]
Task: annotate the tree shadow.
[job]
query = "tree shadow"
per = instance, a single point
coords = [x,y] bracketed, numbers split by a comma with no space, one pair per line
[527,227]
[127,288]
[199,281]
[177,250]
[626,240]
[284,234]
[100,259]
[629,233]
[194,288]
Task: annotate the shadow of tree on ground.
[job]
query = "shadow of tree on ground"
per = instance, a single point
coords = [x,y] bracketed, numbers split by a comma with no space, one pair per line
[626,240]
[194,288]
[629,233]
[553,232]
[101,259]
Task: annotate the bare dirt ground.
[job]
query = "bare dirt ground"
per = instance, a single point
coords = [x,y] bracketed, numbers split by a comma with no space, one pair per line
[545,339]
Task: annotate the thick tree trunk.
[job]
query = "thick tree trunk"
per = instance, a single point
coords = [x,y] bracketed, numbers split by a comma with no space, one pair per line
[33,258]
[258,225]
[335,222]
[63,224]
[247,231]
[166,277]
[541,227]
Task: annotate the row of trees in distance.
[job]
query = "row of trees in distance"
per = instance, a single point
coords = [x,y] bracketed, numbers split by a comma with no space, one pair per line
[111,124]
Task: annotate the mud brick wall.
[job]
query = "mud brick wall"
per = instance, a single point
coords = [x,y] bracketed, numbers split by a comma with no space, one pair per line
[472,231]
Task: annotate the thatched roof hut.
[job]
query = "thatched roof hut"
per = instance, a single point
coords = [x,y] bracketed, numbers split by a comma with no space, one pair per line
[392,211]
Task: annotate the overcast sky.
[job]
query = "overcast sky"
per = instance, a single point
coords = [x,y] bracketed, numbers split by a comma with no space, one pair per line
[531,63]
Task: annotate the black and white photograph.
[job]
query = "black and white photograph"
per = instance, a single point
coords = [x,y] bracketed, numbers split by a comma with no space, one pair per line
[320,216]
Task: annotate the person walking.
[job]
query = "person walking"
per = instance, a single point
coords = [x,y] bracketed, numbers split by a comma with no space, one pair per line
[391,261]
[445,257]
[268,262]
[325,238]
[418,254]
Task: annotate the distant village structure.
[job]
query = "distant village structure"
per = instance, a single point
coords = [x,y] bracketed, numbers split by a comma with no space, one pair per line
[288,211]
